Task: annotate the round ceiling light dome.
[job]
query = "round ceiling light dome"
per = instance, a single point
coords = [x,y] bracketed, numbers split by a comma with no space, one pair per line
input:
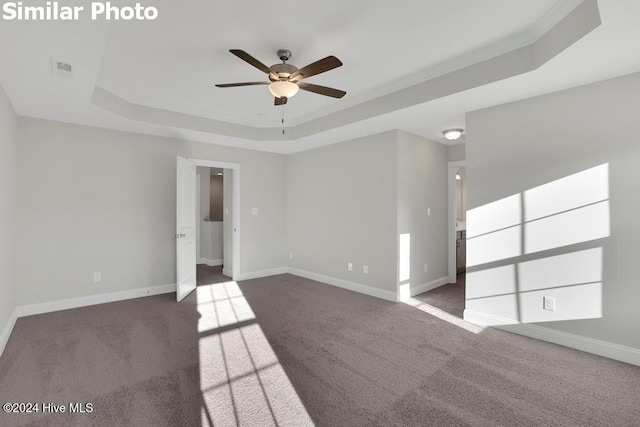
[283,89]
[453,134]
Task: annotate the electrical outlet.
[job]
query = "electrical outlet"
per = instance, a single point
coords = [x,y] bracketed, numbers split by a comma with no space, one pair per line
[350,267]
[290,255]
[365,269]
[97,277]
[549,303]
[428,211]
[426,268]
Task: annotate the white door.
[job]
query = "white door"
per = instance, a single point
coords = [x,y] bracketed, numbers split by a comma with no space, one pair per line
[186,228]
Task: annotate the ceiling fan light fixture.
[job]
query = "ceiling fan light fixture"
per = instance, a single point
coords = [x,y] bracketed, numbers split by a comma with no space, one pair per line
[453,134]
[283,89]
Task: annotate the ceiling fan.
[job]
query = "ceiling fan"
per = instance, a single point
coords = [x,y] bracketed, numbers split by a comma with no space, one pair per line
[285,79]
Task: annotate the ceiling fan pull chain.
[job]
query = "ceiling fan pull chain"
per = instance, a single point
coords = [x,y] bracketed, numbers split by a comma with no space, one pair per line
[282,121]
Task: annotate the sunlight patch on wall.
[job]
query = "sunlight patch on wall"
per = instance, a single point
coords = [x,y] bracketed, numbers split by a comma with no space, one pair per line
[494,246]
[515,292]
[574,191]
[494,216]
[493,281]
[561,270]
[404,270]
[572,302]
[571,210]
[502,306]
[580,225]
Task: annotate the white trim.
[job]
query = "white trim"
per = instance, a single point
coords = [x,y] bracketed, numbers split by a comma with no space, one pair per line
[65,304]
[6,332]
[451,185]
[227,272]
[415,290]
[263,273]
[236,208]
[210,262]
[589,345]
[345,284]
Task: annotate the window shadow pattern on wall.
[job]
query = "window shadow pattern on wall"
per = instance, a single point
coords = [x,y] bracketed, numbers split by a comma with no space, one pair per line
[545,242]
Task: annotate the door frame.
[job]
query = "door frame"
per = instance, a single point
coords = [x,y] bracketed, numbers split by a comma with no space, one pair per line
[451,174]
[235,241]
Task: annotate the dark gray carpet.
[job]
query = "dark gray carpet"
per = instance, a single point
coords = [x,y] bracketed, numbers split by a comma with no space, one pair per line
[289,351]
[449,297]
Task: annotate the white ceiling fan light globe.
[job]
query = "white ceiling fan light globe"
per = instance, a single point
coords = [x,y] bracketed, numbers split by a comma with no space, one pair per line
[283,89]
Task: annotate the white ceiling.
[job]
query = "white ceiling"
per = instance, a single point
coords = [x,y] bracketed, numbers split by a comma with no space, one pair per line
[171,64]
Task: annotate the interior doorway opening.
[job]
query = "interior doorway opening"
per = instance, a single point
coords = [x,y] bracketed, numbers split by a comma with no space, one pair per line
[207,222]
[450,298]
[210,197]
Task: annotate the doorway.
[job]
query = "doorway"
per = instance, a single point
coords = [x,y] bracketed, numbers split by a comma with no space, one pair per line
[207,221]
[211,224]
[457,224]
[450,298]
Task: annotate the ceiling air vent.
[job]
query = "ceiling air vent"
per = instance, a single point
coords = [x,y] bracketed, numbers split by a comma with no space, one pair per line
[62,69]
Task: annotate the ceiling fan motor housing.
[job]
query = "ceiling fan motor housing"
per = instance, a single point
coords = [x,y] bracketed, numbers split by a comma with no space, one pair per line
[283,70]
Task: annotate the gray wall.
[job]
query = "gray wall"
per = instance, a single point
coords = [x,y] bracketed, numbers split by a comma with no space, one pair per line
[93,200]
[461,194]
[514,148]
[457,152]
[8,183]
[341,207]
[422,186]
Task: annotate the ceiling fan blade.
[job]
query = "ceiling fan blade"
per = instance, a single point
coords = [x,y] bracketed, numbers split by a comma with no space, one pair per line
[242,84]
[280,101]
[322,90]
[326,64]
[251,60]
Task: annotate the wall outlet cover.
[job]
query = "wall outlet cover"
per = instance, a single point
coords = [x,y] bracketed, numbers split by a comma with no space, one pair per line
[549,303]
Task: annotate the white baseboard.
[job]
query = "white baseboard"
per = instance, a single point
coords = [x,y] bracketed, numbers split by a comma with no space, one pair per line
[415,290]
[210,262]
[590,345]
[227,272]
[345,284]
[65,304]
[6,332]
[262,273]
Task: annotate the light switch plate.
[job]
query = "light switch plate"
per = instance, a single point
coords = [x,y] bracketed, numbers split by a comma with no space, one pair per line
[254,211]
